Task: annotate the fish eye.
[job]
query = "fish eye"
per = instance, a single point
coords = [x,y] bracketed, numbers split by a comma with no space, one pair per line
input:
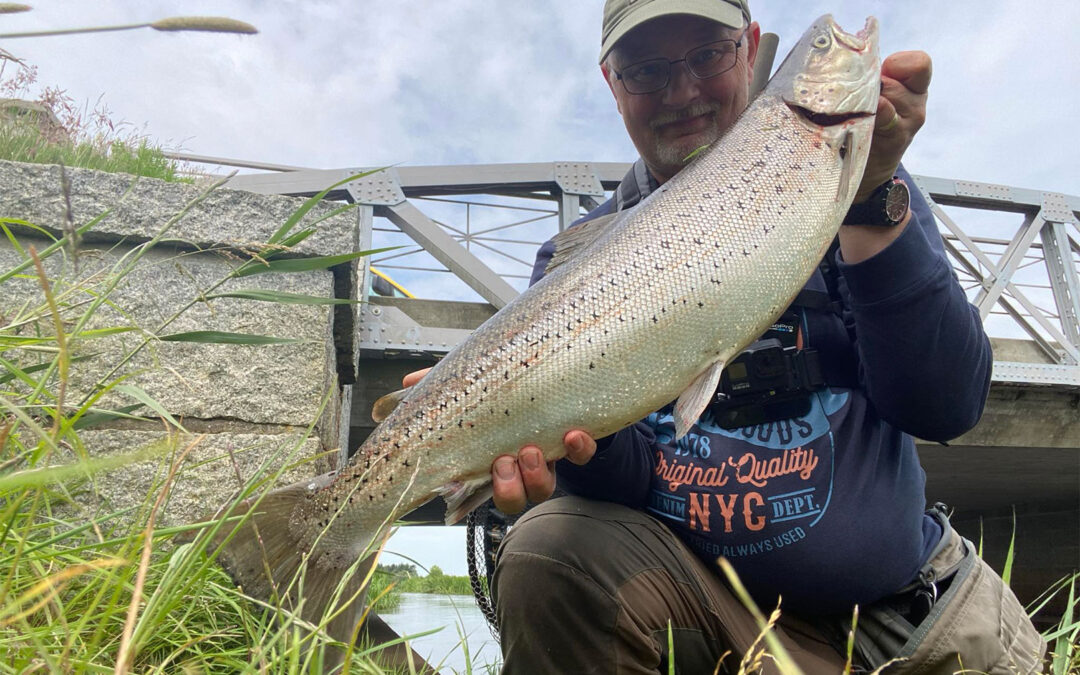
[822,41]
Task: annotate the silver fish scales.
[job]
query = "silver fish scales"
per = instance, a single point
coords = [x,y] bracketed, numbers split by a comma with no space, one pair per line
[637,310]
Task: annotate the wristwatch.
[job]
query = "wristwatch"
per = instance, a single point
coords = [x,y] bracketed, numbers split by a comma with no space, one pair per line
[886,207]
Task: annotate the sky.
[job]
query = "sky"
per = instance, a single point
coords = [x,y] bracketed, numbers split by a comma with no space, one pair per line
[350,83]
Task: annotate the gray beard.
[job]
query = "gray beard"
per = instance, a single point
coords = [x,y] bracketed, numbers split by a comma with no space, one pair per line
[676,155]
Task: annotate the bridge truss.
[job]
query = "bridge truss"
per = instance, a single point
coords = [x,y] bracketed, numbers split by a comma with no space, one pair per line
[469,232]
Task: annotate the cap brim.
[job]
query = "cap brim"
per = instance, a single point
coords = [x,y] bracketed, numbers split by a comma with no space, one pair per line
[720,12]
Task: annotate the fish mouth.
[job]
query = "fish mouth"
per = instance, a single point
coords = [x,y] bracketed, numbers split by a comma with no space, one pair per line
[826,119]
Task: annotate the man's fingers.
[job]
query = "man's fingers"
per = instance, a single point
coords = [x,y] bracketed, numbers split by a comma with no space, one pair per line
[912,69]
[536,474]
[580,446]
[414,377]
[507,490]
[887,118]
[909,105]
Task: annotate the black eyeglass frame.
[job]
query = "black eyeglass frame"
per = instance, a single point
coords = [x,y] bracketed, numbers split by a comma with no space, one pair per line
[737,42]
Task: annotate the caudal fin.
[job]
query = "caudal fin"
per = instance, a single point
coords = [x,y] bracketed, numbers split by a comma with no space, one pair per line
[266,555]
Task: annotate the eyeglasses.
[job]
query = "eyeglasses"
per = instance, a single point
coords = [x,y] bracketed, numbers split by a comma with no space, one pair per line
[703,62]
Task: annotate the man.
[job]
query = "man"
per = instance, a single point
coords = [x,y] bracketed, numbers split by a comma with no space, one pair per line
[820,510]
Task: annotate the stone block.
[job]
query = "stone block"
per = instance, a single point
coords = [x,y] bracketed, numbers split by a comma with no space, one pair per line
[215,469]
[268,384]
[138,208]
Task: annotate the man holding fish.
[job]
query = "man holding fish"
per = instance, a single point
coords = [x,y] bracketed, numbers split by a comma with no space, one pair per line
[788,453]
[802,471]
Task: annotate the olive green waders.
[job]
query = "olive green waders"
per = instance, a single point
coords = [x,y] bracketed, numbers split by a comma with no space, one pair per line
[591,587]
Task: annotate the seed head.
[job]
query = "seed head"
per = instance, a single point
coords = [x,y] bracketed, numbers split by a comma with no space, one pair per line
[213,24]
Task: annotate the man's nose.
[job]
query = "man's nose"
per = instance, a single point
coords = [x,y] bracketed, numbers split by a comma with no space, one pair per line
[682,86]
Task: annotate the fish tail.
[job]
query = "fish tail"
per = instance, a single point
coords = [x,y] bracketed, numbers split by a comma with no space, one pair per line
[270,556]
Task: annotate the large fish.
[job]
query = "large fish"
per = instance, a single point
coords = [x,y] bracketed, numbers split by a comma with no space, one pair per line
[637,310]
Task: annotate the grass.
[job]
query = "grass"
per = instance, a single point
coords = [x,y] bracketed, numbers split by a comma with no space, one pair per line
[58,131]
[20,142]
[83,592]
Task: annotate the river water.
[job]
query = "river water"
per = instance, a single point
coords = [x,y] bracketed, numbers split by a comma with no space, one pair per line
[457,616]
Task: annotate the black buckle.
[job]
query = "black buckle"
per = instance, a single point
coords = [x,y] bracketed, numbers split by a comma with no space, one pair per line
[926,595]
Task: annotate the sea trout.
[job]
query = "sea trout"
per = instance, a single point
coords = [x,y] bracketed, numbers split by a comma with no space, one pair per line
[636,310]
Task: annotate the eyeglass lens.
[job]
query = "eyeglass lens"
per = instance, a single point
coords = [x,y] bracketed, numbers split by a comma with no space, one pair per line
[708,60]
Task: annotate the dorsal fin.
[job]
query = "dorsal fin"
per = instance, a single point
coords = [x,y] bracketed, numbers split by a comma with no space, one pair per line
[569,242]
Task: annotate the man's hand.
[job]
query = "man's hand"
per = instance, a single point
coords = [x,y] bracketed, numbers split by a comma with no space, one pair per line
[905,79]
[527,476]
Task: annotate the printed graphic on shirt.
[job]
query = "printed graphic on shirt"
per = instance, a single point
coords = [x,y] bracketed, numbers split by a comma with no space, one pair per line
[746,491]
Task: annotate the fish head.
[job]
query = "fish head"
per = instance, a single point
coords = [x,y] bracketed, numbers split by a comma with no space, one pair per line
[831,80]
[832,75]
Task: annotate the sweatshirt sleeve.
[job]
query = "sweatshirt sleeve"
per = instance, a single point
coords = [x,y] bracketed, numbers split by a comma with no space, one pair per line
[924,359]
[620,471]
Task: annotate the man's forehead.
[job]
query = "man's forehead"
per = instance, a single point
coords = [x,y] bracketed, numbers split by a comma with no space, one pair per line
[668,32]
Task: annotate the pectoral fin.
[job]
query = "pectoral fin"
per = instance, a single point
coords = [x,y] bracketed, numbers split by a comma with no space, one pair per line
[847,166]
[464,496]
[386,404]
[696,398]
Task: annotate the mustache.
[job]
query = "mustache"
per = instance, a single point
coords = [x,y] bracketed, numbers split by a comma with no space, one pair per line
[684,114]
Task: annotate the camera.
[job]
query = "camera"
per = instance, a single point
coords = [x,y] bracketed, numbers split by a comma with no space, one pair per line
[766,383]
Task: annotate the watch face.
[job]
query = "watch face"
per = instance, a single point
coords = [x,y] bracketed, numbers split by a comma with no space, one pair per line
[896,201]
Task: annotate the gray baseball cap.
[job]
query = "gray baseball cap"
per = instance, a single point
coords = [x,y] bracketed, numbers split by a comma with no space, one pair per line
[622,16]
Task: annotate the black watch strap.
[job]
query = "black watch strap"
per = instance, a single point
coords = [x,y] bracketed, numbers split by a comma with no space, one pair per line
[886,207]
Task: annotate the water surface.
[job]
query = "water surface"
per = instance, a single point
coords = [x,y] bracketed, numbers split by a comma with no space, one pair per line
[457,616]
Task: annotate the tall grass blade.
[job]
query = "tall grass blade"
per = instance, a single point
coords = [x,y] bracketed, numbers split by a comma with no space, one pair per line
[282,297]
[780,655]
[1066,637]
[1006,572]
[670,649]
[226,338]
[299,213]
[40,477]
[141,396]
[57,244]
[43,592]
[290,265]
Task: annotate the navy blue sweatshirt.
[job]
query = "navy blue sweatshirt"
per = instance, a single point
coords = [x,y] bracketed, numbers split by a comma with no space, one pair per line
[825,510]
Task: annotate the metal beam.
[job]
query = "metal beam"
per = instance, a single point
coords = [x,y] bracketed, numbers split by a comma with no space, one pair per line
[384,329]
[1048,348]
[1010,262]
[447,251]
[1064,281]
[1013,372]
[569,210]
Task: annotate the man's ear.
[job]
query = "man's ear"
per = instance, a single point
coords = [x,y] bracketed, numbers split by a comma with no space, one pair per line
[606,72]
[753,37]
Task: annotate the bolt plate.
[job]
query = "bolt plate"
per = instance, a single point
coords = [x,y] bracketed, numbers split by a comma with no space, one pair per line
[578,178]
[382,188]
